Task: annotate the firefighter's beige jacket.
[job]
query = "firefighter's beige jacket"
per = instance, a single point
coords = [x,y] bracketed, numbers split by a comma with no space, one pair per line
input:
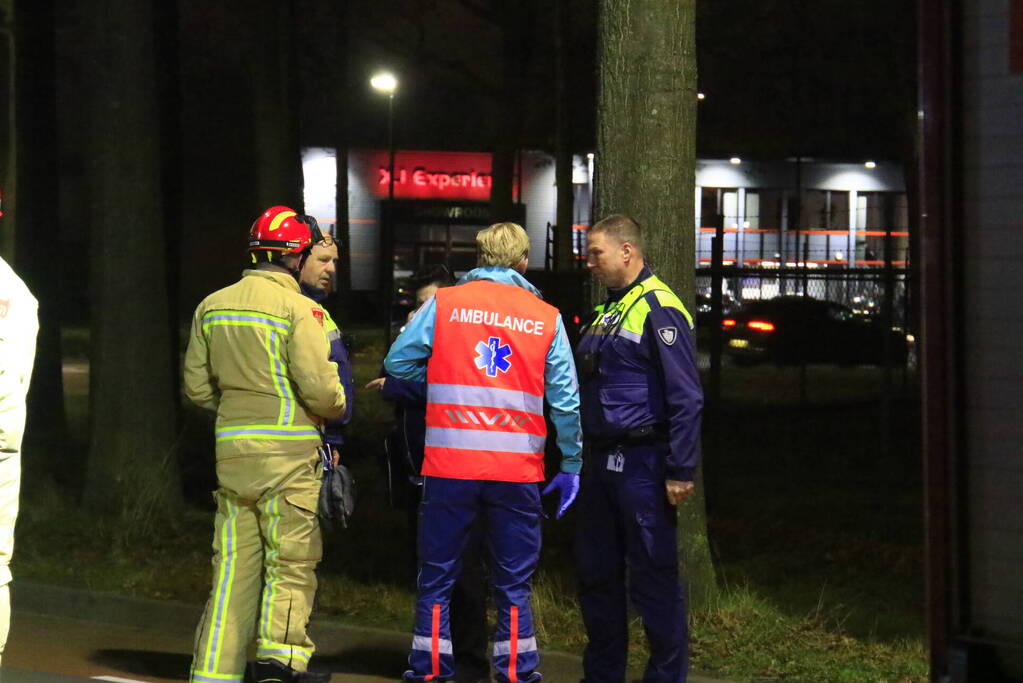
[19,326]
[258,355]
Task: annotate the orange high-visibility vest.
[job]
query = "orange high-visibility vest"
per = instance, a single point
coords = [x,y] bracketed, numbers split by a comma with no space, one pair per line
[485,383]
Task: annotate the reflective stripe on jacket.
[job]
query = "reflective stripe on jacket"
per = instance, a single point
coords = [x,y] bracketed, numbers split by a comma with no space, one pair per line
[19,326]
[258,355]
[485,388]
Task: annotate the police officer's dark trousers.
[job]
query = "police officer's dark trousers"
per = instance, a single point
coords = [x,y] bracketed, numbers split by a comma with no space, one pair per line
[511,512]
[626,537]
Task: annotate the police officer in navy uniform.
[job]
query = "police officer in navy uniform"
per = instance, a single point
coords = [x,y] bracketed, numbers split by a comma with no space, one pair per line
[641,402]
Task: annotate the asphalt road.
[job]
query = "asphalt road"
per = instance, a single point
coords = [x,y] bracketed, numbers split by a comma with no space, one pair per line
[79,650]
[66,634]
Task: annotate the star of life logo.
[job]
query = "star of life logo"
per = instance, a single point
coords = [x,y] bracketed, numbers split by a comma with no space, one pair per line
[493,356]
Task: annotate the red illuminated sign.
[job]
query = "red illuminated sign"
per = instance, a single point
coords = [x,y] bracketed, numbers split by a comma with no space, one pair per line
[430,175]
[441,180]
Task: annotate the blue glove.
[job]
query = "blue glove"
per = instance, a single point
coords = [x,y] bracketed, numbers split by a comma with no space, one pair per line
[568,484]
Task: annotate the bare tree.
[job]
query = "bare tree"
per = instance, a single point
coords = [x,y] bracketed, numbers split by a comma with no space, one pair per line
[7,147]
[276,98]
[564,221]
[37,242]
[134,405]
[645,167]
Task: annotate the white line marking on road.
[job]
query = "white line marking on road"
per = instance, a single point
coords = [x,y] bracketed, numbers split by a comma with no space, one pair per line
[115,679]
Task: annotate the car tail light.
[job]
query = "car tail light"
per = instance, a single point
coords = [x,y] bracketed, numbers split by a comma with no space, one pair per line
[760,325]
[727,322]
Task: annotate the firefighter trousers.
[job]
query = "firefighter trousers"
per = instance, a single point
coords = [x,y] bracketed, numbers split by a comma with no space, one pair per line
[266,545]
[626,545]
[10,484]
[511,513]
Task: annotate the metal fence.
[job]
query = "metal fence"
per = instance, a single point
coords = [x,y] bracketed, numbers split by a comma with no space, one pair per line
[865,291]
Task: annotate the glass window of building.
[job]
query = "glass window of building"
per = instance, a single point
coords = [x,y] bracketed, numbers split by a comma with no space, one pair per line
[877,213]
[765,209]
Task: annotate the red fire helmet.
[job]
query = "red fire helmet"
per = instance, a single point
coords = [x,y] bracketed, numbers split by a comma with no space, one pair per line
[284,230]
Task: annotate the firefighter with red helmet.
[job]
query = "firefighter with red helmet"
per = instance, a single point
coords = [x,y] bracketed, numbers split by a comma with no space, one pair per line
[258,356]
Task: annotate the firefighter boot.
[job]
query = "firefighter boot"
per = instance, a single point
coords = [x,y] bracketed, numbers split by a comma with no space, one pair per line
[271,671]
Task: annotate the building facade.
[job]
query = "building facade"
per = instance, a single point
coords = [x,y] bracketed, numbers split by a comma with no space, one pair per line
[790,213]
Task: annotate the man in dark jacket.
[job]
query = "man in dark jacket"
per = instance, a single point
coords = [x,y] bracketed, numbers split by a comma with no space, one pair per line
[317,281]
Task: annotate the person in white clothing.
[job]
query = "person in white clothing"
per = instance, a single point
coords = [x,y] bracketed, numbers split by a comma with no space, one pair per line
[19,325]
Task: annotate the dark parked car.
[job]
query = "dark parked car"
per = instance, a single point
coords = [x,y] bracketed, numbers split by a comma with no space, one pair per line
[794,329]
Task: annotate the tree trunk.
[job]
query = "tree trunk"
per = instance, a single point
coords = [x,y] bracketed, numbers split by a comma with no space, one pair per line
[8,154]
[37,238]
[339,55]
[275,95]
[132,468]
[512,17]
[563,256]
[645,168]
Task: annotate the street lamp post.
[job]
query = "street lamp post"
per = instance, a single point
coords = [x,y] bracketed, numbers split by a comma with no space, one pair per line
[387,84]
[390,146]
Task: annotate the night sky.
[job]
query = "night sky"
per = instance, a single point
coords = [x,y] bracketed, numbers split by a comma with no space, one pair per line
[782,77]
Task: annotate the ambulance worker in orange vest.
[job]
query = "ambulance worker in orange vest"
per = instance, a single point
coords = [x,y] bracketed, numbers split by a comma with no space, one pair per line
[490,351]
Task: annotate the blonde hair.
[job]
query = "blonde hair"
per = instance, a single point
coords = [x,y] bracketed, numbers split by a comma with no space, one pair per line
[502,244]
[622,229]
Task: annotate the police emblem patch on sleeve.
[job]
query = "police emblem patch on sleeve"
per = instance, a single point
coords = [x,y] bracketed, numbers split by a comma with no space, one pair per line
[668,335]
[318,314]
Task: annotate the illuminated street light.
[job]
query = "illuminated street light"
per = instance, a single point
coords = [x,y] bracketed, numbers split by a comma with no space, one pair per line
[700,96]
[735,161]
[870,164]
[384,82]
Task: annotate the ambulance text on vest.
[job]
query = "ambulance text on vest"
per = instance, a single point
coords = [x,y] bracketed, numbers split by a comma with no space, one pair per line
[477,317]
